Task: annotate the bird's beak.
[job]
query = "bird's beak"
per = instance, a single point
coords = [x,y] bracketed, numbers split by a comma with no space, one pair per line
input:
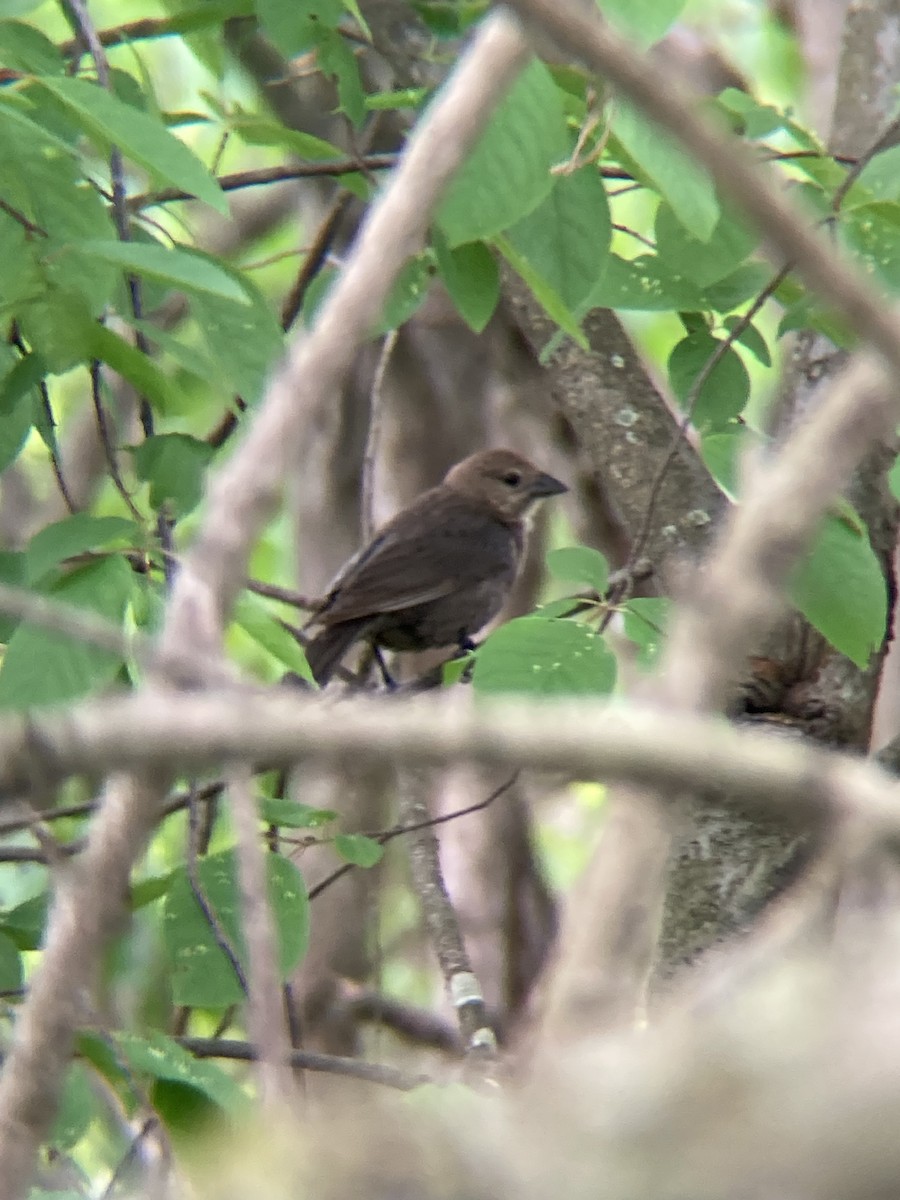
[546,485]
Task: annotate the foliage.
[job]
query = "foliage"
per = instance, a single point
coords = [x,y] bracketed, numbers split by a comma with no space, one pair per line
[575,191]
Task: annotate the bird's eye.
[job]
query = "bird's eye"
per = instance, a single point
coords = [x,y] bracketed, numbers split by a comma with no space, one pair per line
[513,478]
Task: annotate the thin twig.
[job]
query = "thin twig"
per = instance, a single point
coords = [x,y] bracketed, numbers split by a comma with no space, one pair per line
[53,448]
[164,525]
[266,175]
[388,835]
[149,1125]
[107,443]
[442,923]
[331,1064]
[373,436]
[272,591]
[177,802]
[314,259]
[620,592]
[312,264]
[885,141]
[218,930]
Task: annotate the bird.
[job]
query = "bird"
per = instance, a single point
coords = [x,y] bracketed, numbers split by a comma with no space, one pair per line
[439,570]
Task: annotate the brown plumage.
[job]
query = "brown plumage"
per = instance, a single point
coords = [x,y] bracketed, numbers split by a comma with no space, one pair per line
[442,568]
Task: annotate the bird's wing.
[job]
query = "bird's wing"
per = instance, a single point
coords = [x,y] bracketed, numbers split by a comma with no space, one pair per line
[416,559]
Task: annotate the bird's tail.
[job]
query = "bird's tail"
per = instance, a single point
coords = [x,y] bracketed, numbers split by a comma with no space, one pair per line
[329,646]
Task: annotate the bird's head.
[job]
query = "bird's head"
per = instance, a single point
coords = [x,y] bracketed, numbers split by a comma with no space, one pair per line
[504,481]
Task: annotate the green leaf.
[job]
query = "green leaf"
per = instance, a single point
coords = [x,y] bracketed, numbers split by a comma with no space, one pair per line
[18,403]
[24,48]
[176,268]
[47,668]
[202,975]
[808,314]
[174,464]
[566,238]
[409,290]
[335,58]
[727,389]
[642,283]
[702,261]
[192,359]
[77,1108]
[881,177]
[658,160]
[142,138]
[99,1050]
[293,24]
[12,572]
[258,131]
[145,891]
[894,479]
[411,97]
[579,564]
[354,10]
[538,657]
[185,1111]
[453,669]
[55,1194]
[75,535]
[161,1057]
[753,120]
[508,172]
[721,450]
[132,364]
[645,621]
[752,339]
[244,341]
[358,849]
[27,124]
[470,275]
[872,231]
[11,977]
[276,810]
[18,8]
[24,923]
[545,295]
[23,279]
[59,325]
[841,590]
[256,618]
[643,20]
[741,285]
[563,607]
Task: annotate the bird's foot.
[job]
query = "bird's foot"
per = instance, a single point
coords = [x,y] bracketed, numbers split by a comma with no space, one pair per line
[388,680]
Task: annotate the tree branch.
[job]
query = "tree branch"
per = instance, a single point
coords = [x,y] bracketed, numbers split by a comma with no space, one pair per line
[668,750]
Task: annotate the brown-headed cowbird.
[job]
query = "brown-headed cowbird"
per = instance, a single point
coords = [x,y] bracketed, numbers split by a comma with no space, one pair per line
[437,572]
